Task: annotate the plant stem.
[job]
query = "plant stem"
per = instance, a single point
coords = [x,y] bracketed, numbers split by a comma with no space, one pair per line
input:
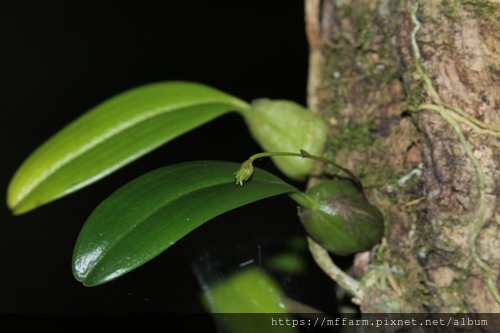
[324,261]
[304,200]
[269,154]
[305,154]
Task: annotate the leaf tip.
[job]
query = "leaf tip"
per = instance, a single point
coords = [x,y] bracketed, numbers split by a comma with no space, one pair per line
[18,208]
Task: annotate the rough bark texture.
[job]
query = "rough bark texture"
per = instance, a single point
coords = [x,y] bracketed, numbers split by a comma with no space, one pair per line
[364,80]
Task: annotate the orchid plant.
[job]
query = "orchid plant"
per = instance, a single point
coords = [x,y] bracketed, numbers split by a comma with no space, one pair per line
[151,213]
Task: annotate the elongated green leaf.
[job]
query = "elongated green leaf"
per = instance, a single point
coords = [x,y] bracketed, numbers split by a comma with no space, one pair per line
[151,213]
[113,134]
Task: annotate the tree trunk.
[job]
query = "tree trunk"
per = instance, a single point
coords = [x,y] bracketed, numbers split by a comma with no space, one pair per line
[423,136]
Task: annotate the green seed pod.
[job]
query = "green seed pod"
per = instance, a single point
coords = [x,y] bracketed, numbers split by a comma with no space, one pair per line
[343,222]
[280,125]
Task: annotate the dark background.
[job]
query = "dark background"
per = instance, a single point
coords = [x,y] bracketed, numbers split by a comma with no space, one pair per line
[61,58]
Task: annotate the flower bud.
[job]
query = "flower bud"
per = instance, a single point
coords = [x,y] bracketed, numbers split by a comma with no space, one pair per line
[343,222]
[244,172]
[280,125]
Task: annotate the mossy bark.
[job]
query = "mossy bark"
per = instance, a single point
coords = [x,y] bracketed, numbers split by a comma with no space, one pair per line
[442,219]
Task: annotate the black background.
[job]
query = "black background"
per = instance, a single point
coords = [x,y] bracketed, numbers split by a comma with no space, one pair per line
[60,58]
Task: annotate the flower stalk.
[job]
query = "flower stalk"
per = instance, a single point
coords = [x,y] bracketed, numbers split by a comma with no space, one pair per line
[246,170]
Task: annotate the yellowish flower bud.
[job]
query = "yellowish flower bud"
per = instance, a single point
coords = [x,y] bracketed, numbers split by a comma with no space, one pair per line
[244,172]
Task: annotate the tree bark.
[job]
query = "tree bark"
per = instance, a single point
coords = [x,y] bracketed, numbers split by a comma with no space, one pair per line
[423,135]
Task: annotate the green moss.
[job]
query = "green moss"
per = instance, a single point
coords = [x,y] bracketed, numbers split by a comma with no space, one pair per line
[414,89]
[483,7]
[356,135]
[389,220]
[448,8]
[354,45]
[360,141]
[347,9]
[479,7]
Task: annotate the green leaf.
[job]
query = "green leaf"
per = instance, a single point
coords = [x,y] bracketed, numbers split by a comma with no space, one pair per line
[112,134]
[152,212]
[288,262]
[248,301]
[248,290]
[281,125]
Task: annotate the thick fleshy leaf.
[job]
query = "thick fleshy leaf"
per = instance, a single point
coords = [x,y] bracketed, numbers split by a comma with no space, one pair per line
[248,301]
[152,212]
[112,134]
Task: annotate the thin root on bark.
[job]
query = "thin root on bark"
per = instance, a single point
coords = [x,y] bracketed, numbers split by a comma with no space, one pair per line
[452,115]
